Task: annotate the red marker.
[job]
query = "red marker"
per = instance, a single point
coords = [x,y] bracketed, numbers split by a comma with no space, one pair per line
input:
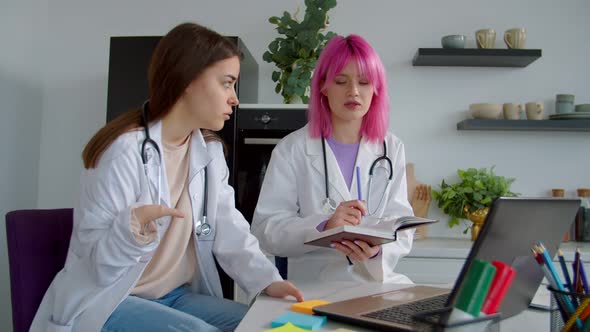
[502,280]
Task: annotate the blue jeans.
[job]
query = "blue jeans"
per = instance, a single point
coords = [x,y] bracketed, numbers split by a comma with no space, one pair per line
[179,310]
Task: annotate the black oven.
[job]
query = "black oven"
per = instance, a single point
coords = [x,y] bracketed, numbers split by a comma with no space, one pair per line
[259,129]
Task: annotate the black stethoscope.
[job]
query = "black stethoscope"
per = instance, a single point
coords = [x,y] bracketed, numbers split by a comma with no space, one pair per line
[329,205]
[203,227]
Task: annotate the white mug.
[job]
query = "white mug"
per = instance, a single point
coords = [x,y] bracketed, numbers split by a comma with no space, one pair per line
[534,111]
[515,38]
[512,111]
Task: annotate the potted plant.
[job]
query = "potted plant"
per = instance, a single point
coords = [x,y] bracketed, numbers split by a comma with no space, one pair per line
[296,52]
[472,196]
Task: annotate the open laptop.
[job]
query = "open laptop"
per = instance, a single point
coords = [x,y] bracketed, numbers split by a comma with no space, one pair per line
[512,225]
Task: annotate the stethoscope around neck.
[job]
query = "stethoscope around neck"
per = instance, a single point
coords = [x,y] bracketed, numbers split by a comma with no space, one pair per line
[202,226]
[329,205]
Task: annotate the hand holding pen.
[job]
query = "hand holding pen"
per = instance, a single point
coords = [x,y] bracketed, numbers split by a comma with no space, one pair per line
[351,213]
[347,213]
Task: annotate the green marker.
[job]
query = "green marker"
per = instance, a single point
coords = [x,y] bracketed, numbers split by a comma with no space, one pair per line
[473,291]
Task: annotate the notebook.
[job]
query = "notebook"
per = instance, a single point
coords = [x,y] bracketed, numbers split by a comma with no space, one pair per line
[373,231]
[512,225]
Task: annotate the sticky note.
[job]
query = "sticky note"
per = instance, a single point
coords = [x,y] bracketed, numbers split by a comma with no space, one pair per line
[287,328]
[303,321]
[306,307]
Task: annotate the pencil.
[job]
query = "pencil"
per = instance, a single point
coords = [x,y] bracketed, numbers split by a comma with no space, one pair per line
[358,183]
[566,275]
[568,280]
[582,272]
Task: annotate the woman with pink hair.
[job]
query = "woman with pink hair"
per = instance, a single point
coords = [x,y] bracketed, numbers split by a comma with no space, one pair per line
[318,177]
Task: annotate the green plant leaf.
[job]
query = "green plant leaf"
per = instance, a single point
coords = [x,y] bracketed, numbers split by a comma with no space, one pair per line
[276,75]
[296,50]
[273,46]
[477,188]
[453,222]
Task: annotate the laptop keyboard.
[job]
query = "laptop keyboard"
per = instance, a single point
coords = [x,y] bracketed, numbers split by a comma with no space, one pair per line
[402,314]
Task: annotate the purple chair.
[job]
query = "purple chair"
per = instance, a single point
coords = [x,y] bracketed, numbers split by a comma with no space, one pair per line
[38,242]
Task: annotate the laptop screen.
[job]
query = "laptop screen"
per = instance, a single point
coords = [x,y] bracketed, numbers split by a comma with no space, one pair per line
[512,226]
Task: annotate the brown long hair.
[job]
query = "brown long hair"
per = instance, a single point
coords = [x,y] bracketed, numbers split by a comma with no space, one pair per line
[180,57]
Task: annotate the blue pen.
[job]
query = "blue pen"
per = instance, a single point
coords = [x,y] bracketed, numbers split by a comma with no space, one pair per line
[566,275]
[568,304]
[358,183]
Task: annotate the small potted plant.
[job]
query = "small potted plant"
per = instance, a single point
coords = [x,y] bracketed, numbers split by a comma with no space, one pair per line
[296,52]
[472,196]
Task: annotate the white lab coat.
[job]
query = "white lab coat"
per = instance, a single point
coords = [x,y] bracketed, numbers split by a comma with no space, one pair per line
[290,203]
[104,262]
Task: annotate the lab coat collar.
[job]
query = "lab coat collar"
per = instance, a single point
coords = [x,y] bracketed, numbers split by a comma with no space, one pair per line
[199,158]
[156,167]
[368,151]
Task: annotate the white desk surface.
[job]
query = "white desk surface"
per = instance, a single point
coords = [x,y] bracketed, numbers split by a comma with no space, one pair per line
[265,309]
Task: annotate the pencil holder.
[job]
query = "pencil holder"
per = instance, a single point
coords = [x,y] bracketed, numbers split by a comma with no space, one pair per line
[557,321]
[433,321]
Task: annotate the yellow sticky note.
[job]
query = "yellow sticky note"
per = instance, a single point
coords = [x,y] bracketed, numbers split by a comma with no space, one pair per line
[287,328]
[306,306]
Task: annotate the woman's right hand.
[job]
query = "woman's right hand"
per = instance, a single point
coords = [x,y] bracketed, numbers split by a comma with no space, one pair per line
[347,213]
[145,214]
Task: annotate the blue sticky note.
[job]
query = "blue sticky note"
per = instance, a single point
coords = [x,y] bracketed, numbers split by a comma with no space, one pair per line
[303,321]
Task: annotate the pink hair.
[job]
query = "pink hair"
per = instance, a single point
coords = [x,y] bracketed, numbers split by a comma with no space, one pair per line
[335,56]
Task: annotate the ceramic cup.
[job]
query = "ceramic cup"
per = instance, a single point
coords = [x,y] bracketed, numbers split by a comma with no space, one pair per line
[564,103]
[512,111]
[515,38]
[453,41]
[565,97]
[485,38]
[534,110]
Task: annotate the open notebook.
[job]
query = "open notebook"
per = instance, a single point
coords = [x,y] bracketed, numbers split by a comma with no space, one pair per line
[374,231]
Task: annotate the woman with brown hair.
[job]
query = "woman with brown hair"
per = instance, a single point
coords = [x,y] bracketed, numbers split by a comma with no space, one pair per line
[155,210]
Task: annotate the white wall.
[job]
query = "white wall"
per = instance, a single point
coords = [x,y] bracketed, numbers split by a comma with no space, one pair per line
[427,102]
[21,96]
[68,79]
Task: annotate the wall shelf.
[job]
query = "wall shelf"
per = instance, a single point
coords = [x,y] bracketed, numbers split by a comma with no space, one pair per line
[475,57]
[525,125]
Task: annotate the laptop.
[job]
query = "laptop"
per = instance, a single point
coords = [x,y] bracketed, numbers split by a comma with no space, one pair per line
[512,226]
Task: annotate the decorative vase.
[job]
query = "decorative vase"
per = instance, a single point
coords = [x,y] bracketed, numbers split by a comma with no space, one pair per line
[477,217]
